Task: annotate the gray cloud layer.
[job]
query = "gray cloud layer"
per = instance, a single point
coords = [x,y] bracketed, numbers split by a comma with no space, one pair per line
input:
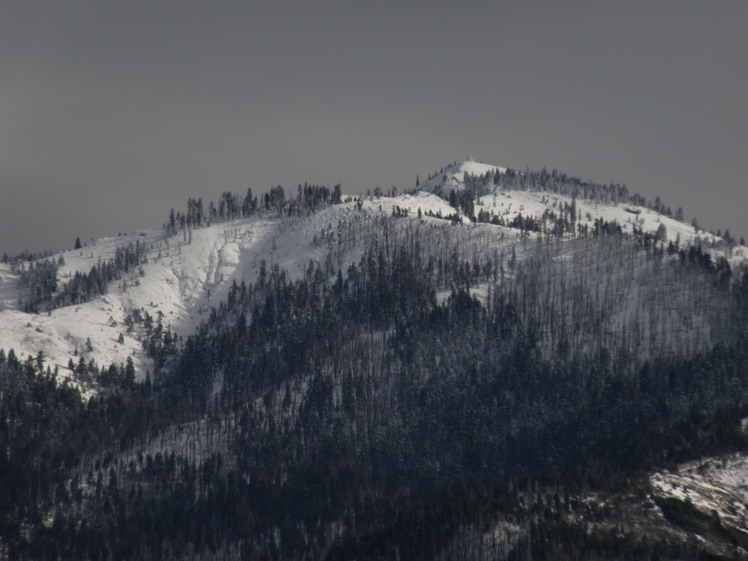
[112,113]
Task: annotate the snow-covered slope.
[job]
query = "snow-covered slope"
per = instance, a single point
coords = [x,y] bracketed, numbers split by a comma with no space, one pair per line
[712,486]
[183,278]
[453,178]
[509,204]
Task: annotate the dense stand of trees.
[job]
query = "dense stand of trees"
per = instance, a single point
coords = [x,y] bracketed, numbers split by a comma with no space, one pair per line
[83,287]
[232,206]
[40,281]
[157,339]
[42,286]
[560,183]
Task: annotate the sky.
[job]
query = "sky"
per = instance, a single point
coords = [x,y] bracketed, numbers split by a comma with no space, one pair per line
[111,113]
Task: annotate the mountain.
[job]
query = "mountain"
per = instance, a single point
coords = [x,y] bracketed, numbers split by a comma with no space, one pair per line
[496,364]
[183,280]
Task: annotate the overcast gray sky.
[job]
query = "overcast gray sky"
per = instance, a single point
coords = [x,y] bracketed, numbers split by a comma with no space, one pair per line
[111,113]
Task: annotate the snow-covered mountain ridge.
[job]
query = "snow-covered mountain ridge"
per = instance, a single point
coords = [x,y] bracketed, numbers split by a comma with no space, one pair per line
[185,276]
[182,279]
[511,203]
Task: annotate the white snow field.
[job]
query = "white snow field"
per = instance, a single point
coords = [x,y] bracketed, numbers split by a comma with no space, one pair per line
[711,485]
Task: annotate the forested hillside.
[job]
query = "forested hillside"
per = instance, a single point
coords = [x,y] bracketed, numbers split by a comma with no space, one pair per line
[424,386]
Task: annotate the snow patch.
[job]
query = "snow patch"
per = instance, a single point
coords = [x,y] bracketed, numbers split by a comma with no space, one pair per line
[712,485]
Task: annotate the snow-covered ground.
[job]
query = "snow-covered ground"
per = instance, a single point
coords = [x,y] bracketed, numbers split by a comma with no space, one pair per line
[181,279]
[509,204]
[184,277]
[711,485]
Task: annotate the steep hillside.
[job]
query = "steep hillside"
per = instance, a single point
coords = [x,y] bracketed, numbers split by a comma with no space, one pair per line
[513,370]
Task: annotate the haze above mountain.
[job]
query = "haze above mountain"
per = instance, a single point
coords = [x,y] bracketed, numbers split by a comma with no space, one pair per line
[112,112]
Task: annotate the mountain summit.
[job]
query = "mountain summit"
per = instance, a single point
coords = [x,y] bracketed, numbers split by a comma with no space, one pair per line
[453,177]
